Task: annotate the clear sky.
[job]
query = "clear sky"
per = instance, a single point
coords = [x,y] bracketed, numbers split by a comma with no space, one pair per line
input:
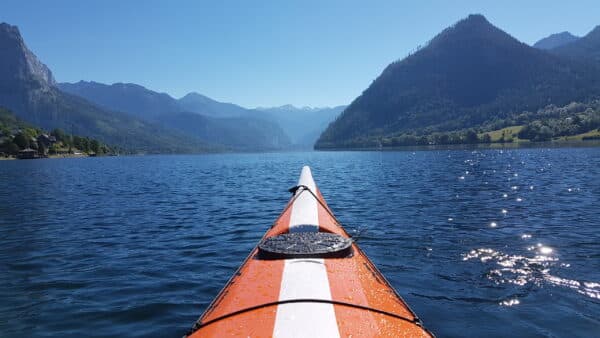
[260,53]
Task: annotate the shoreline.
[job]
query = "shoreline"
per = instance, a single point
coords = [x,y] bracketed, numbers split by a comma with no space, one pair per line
[10,158]
[476,146]
[68,156]
[482,146]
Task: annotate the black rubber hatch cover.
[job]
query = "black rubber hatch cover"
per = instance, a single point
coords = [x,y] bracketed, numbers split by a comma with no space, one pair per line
[305,245]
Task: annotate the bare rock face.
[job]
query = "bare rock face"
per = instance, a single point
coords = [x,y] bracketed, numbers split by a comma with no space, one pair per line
[27,86]
[18,63]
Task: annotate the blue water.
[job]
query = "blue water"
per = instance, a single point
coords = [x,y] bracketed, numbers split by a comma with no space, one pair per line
[139,246]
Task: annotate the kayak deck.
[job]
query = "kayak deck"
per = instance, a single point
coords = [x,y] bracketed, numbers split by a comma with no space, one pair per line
[308,296]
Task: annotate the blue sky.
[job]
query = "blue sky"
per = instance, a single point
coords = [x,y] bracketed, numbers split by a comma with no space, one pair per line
[260,53]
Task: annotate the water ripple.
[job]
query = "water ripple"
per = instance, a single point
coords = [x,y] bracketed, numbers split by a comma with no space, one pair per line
[139,246]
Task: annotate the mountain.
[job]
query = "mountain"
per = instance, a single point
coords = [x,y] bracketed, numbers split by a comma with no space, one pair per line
[469,74]
[28,88]
[586,48]
[204,105]
[195,115]
[303,125]
[19,64]
[20,70]
[555,40]
[124,97]
[239,133]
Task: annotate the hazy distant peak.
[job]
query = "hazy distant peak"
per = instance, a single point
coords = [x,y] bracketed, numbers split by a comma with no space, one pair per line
[134,87]
[195,96]
[83,83]
[121,86]
[555,40]
[586,47]
[292,108]
[288,107]
[594,32]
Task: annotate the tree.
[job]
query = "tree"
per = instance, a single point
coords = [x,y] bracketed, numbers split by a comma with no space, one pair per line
[443,139]
[4,130]
[95,146]
[21,140]
[526,132]
[545,134]
[53,149]
[471,136]
[41,149]
[10,147]
[59,134]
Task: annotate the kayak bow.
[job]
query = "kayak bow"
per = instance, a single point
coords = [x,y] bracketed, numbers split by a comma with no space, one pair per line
[307,278]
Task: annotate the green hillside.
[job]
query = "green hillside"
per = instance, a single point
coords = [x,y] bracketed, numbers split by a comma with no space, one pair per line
[469,79]
[17,135]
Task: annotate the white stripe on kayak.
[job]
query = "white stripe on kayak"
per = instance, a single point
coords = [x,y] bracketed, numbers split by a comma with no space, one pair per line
[307,179]
[305,278]
[305,217]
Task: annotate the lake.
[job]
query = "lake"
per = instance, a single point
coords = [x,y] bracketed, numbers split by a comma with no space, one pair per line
[489,243]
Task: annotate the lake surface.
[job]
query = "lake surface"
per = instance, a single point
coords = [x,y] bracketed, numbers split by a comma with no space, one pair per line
[480,243]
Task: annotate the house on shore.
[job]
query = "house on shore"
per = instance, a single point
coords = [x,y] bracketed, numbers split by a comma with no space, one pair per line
[44,142]
[27,154]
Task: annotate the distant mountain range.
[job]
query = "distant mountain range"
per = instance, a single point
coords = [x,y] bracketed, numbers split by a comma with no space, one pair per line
[213,121]
[303,125]
[468,76]
[261,128]
[136,118]
[28,88]
[555,40]
[585,48]
[194,115]
[204,105]
[124,97]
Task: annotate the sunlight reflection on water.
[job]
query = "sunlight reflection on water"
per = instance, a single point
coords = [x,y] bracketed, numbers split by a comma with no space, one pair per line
[521,270]
[169,231]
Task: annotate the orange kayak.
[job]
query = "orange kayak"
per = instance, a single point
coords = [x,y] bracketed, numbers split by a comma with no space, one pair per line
[307,278]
